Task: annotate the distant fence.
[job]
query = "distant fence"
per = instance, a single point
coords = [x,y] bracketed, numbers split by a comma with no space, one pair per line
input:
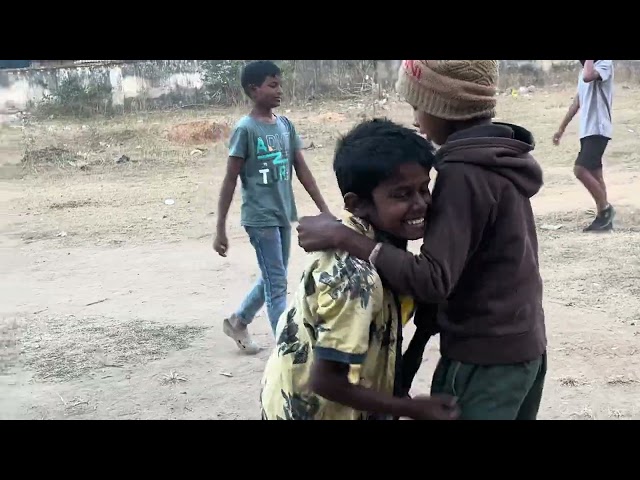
[120,86]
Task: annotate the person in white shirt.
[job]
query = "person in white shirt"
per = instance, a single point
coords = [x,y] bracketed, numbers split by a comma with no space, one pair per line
[594,101]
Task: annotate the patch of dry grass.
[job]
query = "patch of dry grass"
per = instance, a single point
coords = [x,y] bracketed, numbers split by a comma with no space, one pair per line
[98,142]
[585,414]
[64,348]
[571,382]
[12,145]
[9,336]
[622,380]
[600,273]
[617,414]
[144,136]
[172,378]
[542,112]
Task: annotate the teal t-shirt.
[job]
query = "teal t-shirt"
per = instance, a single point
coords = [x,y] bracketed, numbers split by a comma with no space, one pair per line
[268,151]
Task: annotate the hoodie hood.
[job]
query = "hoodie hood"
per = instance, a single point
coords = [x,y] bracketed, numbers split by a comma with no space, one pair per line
[500,147]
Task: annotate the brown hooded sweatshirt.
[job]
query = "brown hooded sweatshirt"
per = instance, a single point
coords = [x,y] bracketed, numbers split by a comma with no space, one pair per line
[479,259]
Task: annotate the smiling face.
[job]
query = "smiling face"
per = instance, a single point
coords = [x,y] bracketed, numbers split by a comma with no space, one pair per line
[400,203]
[382,170]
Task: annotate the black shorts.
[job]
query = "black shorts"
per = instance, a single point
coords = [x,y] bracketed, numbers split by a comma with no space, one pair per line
[591,151]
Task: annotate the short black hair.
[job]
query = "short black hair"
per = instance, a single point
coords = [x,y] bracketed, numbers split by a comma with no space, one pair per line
[255,73]
[372,150]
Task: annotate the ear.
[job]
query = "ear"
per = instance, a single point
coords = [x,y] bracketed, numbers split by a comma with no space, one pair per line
[356,205]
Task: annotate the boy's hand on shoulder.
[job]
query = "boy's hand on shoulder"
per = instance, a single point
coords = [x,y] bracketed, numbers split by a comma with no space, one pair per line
[319,232]
[221,244]
[437,407]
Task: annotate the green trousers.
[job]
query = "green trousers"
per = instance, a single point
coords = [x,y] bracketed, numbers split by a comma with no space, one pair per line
[496,392]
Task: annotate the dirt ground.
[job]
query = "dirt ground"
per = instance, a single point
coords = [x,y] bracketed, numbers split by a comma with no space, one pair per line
[112,298]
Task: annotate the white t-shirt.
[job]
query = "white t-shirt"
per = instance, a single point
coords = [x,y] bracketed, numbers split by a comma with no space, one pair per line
[596,99]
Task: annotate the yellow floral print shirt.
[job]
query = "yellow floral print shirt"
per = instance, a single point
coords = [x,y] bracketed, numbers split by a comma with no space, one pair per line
[342,313]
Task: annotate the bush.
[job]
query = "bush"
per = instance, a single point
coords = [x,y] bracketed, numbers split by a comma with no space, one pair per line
[221,79]
[304,80]
[73,98]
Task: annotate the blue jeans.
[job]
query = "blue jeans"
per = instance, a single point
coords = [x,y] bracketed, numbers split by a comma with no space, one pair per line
[272,245]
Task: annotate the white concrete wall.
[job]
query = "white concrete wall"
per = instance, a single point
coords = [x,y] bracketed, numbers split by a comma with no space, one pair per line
[148,80]
[175,81]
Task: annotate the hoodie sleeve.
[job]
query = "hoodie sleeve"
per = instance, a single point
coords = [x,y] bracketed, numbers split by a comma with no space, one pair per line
[461,208]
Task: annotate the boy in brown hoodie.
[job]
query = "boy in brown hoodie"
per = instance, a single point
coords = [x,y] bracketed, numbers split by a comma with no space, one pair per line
[479,258]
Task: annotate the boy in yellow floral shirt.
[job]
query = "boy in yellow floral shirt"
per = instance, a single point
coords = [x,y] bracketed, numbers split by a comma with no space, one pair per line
[339,345]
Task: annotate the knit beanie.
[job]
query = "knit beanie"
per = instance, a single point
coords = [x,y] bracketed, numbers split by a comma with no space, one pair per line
[450,89]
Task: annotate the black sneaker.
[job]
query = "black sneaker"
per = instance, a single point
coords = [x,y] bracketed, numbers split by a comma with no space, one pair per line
[608,214]
[603,221]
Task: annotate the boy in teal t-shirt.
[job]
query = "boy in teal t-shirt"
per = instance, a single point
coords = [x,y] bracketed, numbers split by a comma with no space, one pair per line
[264,150]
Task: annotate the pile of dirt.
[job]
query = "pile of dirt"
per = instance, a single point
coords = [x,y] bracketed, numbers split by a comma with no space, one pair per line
[64,348]
[198,133]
